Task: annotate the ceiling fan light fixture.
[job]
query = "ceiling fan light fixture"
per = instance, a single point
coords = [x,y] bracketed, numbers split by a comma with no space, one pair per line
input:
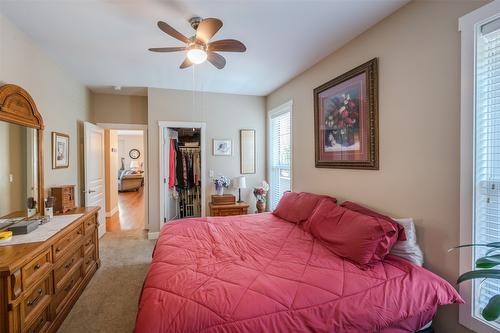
[197,55]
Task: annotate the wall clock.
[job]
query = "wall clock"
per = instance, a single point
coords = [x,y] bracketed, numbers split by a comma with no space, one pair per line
[134,154]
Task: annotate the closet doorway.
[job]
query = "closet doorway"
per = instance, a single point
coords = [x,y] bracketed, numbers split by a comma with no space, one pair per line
[182,170]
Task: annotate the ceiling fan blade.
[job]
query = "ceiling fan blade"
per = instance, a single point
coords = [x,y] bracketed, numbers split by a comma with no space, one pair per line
[216,59]
[172,32]
[167,49]
[186,63]
[207,29]
[227,45]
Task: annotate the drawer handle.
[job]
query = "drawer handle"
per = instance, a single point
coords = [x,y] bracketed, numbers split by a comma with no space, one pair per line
[68,265]
[79,232]
[37,266]
[88,243]
[58,250]
[35,300]
[70,285]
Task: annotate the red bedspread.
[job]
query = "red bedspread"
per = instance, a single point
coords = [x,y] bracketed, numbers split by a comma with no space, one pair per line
[259,273]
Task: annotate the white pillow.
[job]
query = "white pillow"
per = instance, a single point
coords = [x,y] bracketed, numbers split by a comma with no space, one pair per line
[409,248]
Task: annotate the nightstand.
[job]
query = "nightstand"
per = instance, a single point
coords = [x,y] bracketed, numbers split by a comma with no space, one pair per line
[240,208]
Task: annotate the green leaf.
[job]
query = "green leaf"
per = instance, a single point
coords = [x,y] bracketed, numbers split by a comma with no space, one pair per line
[480,274]
[488,261]
[492,310]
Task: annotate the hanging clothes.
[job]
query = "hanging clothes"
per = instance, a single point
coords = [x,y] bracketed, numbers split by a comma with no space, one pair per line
[171,164]
[179,170]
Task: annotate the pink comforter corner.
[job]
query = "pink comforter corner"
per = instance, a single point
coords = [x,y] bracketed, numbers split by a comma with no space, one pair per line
[259,273]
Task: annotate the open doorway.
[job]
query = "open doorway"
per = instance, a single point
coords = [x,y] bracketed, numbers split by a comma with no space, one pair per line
[126,178]
[182,165]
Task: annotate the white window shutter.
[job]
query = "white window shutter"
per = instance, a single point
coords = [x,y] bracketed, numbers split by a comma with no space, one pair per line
[280,154]
[487,154]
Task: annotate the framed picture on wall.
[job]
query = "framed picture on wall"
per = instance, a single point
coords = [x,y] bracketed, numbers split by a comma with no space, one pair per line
[222,147]
[60,150]
[247,151]
[346,120]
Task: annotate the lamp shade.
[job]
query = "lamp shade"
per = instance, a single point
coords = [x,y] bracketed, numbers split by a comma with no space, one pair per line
[134,165]
[240,182]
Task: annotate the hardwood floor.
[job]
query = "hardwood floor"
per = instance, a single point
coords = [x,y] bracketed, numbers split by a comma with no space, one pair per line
[130,215]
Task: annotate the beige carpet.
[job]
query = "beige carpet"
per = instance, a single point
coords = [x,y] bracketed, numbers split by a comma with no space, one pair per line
[109,303]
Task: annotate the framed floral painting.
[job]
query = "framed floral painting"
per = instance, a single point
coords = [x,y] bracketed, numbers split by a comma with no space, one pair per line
[346,120]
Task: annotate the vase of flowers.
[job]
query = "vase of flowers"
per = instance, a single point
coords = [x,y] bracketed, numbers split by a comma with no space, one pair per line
[260,194]
[220,183]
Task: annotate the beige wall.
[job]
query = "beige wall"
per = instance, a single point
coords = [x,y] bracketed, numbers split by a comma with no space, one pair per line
[125,144]
[123,109]
[419,89]
[224,116]
[111,170]
[63,102]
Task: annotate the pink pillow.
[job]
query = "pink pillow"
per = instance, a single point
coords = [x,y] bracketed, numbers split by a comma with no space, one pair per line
[360,238]
[297,207]
[363,210]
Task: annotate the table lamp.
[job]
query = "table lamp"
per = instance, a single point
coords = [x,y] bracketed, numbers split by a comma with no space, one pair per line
[240,182]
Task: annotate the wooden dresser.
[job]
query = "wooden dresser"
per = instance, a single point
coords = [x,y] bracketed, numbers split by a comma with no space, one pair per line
[236,208]
[40,282]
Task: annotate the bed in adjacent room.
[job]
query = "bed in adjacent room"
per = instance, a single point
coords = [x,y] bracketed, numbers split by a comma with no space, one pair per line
[264,273]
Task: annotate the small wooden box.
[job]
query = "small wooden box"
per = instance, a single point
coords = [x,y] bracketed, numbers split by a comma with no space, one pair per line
[225,199]
[64,198]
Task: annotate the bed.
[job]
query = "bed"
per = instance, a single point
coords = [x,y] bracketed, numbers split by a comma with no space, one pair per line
[260,273]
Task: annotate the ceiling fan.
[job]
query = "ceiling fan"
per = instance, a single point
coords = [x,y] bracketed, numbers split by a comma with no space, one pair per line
[198,47]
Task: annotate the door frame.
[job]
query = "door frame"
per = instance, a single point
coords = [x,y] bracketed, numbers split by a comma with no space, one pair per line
[144,128]
[162,125]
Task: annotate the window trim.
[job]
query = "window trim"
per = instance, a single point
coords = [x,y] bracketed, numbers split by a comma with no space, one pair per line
[283,108]
[467,26]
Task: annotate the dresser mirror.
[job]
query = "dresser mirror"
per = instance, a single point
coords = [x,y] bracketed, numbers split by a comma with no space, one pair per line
[18,167]
[21,134]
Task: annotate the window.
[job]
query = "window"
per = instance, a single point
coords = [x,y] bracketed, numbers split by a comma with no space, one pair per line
[480,154]
[280,152]
[487,153]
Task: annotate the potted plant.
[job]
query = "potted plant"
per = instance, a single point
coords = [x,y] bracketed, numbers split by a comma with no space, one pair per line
[485,270]
[220,183]
[260,194]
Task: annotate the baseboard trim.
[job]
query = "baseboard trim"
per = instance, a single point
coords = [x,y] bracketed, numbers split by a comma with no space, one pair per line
[112,212]
[153,235]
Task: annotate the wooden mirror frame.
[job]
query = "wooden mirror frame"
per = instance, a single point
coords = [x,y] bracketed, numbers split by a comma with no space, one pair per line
[18,107]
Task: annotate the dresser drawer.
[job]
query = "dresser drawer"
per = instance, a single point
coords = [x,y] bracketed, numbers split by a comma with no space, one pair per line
[37,299]
[65,266]
[229,212]
[62,246]
[66,290]
[89,259]
[88,242]
[41,323]
[36,268]
[90,224]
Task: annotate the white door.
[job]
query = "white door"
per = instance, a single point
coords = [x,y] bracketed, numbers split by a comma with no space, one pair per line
[94,171]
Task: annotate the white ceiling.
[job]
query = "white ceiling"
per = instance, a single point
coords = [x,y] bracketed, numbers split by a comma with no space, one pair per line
[104,43]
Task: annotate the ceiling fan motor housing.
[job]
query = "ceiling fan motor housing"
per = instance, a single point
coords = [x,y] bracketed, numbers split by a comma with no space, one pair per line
[195,21]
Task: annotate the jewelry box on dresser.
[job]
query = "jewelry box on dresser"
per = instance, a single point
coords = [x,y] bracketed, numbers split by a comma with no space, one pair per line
[42,273]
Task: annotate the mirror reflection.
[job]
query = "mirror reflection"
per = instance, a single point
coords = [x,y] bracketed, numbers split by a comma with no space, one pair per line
[18,167]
